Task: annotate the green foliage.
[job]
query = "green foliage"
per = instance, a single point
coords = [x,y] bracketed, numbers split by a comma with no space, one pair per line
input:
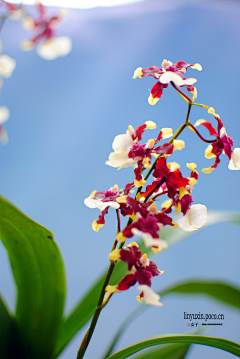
[219,343]
[38,271]
[86,307]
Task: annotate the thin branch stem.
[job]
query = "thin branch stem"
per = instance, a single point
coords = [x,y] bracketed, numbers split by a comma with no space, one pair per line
[100,306]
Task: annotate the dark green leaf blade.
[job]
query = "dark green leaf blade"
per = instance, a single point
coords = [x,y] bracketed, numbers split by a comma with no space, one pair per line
[11,345]
[218,343]
[85,308]
[38,271]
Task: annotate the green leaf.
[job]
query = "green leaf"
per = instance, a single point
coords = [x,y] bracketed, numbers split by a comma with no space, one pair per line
[222,292]
[168,351]
[11,345]
[218,343]
[86,307]
[38,271]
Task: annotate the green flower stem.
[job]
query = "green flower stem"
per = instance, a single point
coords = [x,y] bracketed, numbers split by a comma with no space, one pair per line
[176,134]
[100,306]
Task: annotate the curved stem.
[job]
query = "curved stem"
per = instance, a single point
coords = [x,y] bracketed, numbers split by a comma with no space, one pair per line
[199,135]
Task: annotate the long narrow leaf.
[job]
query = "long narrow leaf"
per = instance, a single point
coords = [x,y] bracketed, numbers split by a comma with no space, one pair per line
[11,345]
[218,343]
[223,292]
[39,275]
[85,308]
[168,351]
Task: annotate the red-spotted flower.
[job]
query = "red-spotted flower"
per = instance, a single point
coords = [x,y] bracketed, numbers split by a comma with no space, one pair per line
[142,272]
[50,46]
[168,73]
[112,198]
[223,143]
[128,151]
[147,222]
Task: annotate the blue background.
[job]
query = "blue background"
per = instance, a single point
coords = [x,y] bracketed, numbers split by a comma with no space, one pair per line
[64,117]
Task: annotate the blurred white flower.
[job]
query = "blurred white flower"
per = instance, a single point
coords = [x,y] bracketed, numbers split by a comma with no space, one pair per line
[4,115]
[55,47]
[7,65]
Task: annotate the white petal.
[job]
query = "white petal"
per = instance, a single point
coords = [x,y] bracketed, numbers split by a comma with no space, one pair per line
[7,65]
[149,241]
[150,297]
[122,142]
[4,114]
[169,76]
[55,47]
[184,222]
[234,163]
[96,203]
[91,203]
[195,218]
[198,215]
[119,159]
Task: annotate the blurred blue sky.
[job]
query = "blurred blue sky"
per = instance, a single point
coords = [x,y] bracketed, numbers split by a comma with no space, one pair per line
[64,117]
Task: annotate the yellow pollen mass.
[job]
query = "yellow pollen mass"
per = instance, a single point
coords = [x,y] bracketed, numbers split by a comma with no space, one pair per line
[212,112]
[112,289]
[178,145]
[146,162]
[207,170]
[199,122]
[138,197]
[139,299]
[208,153]
[156,250]
[182,192]
[150,125]
[167,132]
[133,217]
[194,92]
[114,255]
[139,183]
[145,255]
[133,244]
[92,194]
[167,203]
[178,208]
[192,166]
[192,181]
[96,226]
[138,73]
[173,165]
[120,237]
[175,226]
[122,199]
[153,100]
[197,66]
